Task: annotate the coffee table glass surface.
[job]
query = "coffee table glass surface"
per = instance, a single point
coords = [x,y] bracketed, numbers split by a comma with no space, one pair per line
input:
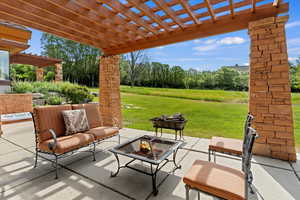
[156,149]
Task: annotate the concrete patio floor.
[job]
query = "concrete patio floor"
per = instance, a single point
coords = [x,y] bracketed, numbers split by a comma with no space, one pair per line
[81,178]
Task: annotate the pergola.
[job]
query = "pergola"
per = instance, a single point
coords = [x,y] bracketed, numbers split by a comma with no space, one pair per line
[122,26]
[40,62]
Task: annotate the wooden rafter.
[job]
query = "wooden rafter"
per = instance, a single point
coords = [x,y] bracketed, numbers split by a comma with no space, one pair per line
[186,6]
[30,11]
[276,3]
[253,6]
[210,10]
[218,10]
[169,12]
[8,14]
[149,13]
[116,5]
[231,8]
[225,24]
[86,16]
[122,26]
[110,17]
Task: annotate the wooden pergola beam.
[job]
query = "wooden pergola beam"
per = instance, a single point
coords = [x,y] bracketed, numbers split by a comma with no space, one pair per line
[110,17]
[276,3]
[75,12]
[9,14]
[225,24]
[42,15]
[187,7]
[253,6]
[117,6]
[149,13]
[231,8]
[169,12]
[35,60]
[219,10]
[210,10]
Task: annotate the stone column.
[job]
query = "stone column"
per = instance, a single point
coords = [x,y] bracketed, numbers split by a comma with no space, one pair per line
[58,72]
[109,85]
[1,132]
[39,74]
[270,92]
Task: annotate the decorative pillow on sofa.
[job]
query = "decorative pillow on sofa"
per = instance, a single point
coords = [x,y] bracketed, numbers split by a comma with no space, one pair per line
[75,121]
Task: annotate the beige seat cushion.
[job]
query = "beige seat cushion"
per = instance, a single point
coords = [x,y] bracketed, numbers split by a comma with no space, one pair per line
[103,132]
[226,145]
[92,113]
[216,179]
[68,143]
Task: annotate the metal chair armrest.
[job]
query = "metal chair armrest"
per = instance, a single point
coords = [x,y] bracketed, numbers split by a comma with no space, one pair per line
[52,145]
[116,123]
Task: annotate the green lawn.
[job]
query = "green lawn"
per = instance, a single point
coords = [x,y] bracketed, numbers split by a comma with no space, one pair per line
[206,118]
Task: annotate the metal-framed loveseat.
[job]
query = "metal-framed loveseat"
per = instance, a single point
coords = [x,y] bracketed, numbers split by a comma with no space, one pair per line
[50,131]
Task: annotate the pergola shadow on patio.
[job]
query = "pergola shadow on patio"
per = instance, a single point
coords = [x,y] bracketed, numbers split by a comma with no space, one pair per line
[82,179]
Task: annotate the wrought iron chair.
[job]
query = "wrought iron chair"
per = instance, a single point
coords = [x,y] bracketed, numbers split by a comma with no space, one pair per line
[220,181]
[229,146]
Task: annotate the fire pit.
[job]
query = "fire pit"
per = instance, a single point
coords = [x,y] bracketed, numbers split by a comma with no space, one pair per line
[176,122]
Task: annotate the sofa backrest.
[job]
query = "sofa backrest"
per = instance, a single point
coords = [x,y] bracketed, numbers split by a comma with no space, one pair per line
[92,113]
[49,117]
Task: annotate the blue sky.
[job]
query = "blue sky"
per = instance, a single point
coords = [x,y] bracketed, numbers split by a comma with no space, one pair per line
[212,52]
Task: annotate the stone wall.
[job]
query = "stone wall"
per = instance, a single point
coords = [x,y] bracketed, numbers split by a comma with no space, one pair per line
[270,93]
[39,74]
[110,99]
[15,103]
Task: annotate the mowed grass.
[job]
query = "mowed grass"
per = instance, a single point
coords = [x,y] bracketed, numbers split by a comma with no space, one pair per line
[206,118]
[194,94]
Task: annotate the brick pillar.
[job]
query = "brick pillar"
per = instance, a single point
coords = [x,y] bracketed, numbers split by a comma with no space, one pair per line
[270,92]
[39,74]
[58,72]
[1,132]
[110,99]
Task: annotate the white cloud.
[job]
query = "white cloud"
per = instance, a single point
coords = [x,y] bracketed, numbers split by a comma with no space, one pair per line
[247,64]
[211,41]
[161,47]
[232,40]
[292,59]
[205,48]
[292,24]
[213,44]
[197,41]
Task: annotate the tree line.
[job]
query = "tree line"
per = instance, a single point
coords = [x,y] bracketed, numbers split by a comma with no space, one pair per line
[81,65]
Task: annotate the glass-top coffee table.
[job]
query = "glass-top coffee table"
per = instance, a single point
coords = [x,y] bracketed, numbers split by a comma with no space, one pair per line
[149,149]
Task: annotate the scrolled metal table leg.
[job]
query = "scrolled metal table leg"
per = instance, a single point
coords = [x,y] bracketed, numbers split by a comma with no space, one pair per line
[114,174]
[174,160]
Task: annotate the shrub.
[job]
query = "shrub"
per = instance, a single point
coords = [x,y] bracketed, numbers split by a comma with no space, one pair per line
[77,94]
[21,87]
[73,93]
[54,100]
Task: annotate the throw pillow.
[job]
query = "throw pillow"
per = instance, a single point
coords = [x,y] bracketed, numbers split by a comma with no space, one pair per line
[75,121]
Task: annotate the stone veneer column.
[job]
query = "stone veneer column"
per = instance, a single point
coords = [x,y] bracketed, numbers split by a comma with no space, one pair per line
[39,74]
[270,92]
[58,72]
[110,98]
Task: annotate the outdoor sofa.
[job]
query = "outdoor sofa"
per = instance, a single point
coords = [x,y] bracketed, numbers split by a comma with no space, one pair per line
[50,131]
